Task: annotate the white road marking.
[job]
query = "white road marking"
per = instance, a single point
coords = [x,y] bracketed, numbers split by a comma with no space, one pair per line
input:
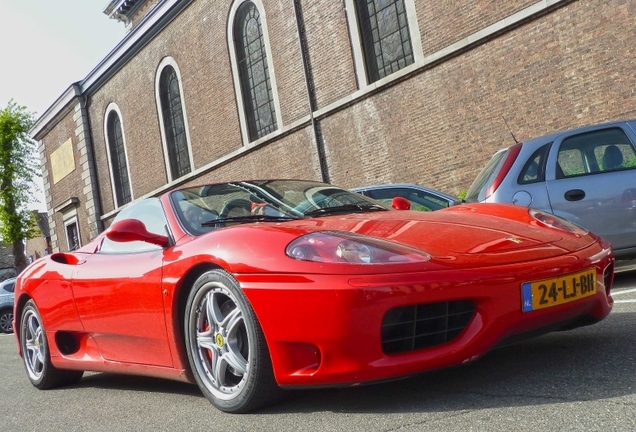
[619,292]
[625,301]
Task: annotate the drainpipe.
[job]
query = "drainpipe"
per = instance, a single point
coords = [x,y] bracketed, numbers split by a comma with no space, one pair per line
[92,168]
[311,93]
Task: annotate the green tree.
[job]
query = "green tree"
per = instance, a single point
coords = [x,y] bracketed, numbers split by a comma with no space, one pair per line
[17,169]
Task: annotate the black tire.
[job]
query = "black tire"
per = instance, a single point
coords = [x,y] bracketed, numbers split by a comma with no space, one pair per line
[35,353]
[6,316]
[226,347]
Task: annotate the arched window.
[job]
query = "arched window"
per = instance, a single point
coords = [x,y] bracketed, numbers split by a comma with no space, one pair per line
[254,72]
[388,34]
[173,119]
[117,157]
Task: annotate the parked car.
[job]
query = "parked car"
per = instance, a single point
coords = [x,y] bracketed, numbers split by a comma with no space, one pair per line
[585,175]
[248,287]
[420,197]
[6,305]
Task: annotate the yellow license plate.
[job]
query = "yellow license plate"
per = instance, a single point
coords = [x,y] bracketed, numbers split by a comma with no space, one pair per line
[555,291]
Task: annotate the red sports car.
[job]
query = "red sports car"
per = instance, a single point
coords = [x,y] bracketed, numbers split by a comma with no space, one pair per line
[248,287]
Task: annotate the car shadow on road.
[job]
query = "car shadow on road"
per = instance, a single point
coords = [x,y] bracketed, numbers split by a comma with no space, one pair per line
[137,384]
[586,364]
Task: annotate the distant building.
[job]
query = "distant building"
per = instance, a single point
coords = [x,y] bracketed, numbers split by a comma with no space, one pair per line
[7,270]
[352,92]
[41,245]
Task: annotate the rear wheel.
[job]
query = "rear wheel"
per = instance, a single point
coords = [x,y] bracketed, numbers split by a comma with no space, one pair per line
[226,347]
[6,316]
[35,353]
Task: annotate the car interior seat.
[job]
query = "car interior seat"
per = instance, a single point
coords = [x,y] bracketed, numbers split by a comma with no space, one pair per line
[612,158]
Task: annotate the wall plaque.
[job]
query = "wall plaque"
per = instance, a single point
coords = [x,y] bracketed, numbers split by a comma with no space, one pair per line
[62,161]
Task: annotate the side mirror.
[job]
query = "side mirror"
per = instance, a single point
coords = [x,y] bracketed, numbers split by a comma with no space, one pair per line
[400,203]
[128,230]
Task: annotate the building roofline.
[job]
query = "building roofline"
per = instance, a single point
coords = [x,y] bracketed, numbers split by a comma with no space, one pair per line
[121,10]
[55,112]
[157,19]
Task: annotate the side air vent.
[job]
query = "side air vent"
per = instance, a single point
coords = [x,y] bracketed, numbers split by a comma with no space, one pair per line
[414,327]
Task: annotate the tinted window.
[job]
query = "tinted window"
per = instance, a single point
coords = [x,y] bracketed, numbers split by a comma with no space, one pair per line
[174,123]
[256,86]
[9,287]
[596,152]
[477,190]
[72,236]
[534,169]
[615,157]
[386,39]
[118,159]
[150,213]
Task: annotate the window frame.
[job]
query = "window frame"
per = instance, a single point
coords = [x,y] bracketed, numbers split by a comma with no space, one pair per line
[170,62]
[236,73]
[68,221]
[358,49]
[542,153]
[590,162]
[112,107]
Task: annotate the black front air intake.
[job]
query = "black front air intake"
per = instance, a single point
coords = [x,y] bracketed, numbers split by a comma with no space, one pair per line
[414,327]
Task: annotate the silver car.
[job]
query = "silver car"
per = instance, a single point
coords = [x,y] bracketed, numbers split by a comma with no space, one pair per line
[420,197]
[585,175]
[6,305]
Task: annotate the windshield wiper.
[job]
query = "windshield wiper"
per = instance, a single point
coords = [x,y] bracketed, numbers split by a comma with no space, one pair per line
[347,208]
[248,218]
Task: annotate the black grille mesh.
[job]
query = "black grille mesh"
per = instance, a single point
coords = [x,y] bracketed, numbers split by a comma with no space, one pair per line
[414,327]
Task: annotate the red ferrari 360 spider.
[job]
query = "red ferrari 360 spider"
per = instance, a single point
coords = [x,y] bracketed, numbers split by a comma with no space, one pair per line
[248,287]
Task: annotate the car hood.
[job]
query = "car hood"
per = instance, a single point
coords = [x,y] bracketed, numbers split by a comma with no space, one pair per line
[461,236]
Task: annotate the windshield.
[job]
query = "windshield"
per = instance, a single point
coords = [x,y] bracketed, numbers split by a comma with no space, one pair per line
[204,208]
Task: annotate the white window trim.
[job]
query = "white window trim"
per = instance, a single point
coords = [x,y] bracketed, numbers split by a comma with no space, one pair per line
[113,107]
[70,218]
[169,61]
[356,42]
[235,70]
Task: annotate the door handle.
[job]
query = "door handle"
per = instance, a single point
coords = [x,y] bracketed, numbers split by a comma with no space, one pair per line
[574,195]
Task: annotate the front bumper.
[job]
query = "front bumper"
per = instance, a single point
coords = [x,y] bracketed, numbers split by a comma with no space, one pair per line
[325,330]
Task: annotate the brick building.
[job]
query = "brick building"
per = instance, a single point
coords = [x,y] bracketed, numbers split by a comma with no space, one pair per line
[348,91]
[7,269]
[40,245]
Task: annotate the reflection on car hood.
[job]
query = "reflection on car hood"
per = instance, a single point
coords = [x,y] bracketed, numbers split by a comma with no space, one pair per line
[466,238]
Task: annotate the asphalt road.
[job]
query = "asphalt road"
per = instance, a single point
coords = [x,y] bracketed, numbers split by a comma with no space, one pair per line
[581,380]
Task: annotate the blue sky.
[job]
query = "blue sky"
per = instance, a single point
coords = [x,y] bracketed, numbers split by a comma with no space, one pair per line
[46,46]
[49,44]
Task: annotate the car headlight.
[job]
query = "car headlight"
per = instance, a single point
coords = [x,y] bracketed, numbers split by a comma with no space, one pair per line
[349,248]
[557,222]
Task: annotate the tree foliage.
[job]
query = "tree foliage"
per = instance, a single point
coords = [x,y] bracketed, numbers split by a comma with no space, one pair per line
[17,170]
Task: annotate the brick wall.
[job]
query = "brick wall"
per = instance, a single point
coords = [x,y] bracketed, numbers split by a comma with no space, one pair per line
[141,12]
[438,125]
[72,185]
[447,21]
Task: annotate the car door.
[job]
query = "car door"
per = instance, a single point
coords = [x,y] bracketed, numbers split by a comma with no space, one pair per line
[118,294]
[586,188]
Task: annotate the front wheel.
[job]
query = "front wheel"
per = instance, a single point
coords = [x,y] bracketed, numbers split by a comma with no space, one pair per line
[6,316]
[226,347]
[35,353]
